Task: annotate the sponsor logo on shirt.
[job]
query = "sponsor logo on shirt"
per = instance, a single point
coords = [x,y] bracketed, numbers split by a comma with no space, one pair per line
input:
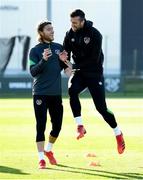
[72,40]
[100,83]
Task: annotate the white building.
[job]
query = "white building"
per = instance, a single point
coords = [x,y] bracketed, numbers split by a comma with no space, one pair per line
[20,17]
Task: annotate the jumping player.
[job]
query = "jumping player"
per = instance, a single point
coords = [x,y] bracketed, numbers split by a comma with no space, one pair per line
[85,43]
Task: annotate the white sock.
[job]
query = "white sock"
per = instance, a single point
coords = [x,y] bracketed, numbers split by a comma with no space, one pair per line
[48,147]
[78,120]
[41,155]
[117,131]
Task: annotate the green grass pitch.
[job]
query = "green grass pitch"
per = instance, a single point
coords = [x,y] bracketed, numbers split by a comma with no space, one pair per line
[18,153]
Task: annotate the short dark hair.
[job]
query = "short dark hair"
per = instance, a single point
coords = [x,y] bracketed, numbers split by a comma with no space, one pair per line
[79,13]
[42,25]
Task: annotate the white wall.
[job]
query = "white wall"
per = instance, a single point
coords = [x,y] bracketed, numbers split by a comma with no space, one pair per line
[105,15]
[20,17]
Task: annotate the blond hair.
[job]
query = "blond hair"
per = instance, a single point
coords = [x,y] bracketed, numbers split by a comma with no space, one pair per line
[40,29]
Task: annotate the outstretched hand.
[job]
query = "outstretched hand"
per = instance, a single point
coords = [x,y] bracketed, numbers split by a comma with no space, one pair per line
[63,56]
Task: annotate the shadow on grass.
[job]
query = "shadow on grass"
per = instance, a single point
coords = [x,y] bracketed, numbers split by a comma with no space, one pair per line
[5,169]
[92,172]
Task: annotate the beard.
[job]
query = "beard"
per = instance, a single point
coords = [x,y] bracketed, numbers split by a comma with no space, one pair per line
[75,29]
[48,38]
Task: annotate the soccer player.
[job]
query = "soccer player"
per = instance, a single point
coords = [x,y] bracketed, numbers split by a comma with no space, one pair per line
[85,43]
[45,67]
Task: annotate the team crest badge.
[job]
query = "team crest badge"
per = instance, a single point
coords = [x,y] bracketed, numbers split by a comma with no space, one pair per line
[57,51]
[87,40]
[38,101]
